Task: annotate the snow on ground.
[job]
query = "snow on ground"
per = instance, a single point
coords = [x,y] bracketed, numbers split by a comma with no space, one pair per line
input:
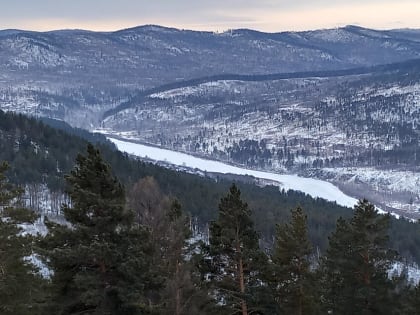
[190,90]
[313,187]
[43,269]
[412,271]
[399,189]
[36,228]
[40,229]
[392,180]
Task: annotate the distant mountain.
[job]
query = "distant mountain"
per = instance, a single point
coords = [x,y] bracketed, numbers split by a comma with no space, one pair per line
[292,101]
[358,128]
[153,55]
[74,74]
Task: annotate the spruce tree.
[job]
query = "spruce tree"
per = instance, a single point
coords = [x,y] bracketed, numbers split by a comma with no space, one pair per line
[357,263]
[293,279]
[100,256]
[20,285]
[236,256]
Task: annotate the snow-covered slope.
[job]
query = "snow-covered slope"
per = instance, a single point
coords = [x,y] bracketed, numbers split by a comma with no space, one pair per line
[360,122]
[163,55]
[298,124]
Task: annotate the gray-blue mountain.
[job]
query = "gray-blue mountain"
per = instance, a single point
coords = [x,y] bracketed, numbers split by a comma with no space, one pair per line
[340,104]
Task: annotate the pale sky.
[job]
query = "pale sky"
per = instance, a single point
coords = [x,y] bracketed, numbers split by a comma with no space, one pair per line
[213,15]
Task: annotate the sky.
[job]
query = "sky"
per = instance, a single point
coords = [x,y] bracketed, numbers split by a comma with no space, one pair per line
[212,15]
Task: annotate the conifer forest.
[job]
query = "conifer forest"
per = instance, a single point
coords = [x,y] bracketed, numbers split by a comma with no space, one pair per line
[134,249]
[257,157]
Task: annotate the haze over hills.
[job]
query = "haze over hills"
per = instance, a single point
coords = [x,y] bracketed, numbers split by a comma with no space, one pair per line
[339,104]
[153,55]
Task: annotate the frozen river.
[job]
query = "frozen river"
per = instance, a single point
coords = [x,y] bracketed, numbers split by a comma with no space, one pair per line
[313,187]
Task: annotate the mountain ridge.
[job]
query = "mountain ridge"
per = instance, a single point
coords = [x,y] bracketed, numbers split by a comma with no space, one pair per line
[147,78]
[264,77]
[163,27]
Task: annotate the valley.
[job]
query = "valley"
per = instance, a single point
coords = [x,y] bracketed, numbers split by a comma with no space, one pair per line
[328,128]
[210,157]
[315,103]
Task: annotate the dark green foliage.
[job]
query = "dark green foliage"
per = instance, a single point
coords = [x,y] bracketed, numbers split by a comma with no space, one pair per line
[292,277]
[100,258]
[112,260]
[236,258]
[355,268]
[407,295]
[20,285]
[182,293]
[37,153]
[334,288]
[415,300]
[181,290]
[81,133]
[44,154]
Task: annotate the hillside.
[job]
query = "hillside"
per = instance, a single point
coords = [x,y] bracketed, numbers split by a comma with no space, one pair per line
[75,74]
[172,54]
[40,155]
[340,126]
[338,104]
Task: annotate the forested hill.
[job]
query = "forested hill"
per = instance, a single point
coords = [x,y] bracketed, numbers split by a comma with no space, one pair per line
[41,154]
[409,66]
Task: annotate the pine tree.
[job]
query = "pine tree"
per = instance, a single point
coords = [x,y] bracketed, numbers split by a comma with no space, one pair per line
[335,290]
[357,263]
[100,257]
[180,291]
[236,256]
[20,285]
[293,279]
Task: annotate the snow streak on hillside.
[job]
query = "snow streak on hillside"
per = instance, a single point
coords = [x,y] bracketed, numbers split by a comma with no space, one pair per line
[313,187]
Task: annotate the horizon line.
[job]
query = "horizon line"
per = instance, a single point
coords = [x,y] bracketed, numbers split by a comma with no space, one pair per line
[205,31]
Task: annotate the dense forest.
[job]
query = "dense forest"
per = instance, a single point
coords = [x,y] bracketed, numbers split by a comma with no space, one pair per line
[41,155]
[132,252]
[86,229]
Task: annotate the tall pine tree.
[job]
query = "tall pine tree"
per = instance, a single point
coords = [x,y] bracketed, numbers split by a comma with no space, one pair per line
[169,229]
[236,257]
[293,279]
[100,257]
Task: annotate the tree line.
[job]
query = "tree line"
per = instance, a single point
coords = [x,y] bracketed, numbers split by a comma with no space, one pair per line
[130,251]
[39,155]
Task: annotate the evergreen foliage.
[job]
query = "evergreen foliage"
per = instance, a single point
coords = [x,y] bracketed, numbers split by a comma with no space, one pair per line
[21,288]
[356,265]
[169,229]
[132,257]
[237,259]
[39,154]
[293,278]
[100,258]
